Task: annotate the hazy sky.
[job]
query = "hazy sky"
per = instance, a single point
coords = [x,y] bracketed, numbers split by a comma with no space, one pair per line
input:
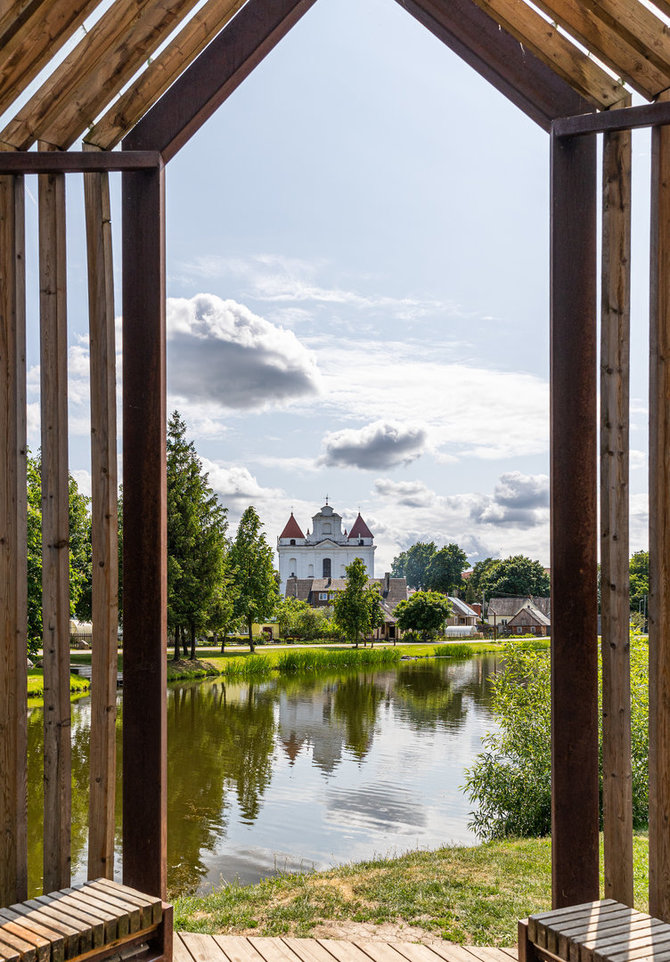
[358,258]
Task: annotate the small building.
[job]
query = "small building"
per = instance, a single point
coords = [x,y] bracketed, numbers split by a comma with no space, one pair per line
[528,620]
[462,613]
[501,610]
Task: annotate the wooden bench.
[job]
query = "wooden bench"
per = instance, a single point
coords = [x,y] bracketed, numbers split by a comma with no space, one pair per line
[603,931]
[94,921]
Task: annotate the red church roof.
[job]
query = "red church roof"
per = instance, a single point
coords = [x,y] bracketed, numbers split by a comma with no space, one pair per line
[360,529]
[292,529]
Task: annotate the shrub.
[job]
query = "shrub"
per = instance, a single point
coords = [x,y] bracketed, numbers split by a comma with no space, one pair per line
[510,781]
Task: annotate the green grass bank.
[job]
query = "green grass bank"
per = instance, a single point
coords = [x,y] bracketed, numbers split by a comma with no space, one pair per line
[468,895]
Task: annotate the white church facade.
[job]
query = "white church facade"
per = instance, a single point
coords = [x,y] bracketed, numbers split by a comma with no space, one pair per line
[325,552]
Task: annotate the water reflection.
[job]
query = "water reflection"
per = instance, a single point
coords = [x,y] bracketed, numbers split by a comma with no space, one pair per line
[298,772]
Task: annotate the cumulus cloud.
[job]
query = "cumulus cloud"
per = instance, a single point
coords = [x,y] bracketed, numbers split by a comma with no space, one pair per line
[222,352]
[235,483]
[521,500]
[381,444]
[411,494]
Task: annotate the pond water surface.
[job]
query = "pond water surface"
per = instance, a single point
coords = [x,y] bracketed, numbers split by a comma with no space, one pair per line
[299,773]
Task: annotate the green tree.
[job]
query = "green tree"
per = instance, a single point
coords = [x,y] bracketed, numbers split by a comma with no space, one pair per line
[517,575]
[639,581]
[413,564]
[445,569]
[474,588]
[80,551]
[253,573]
[424,612]
[288,616]
[196,539]
[354,606]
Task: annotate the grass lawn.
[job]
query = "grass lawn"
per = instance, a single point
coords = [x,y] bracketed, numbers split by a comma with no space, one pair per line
[468,895]
[78,686]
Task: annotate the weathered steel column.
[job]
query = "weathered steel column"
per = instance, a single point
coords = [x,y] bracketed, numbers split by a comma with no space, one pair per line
[145,533]
[614,541]
[574,532]
[13,566]
[659,528]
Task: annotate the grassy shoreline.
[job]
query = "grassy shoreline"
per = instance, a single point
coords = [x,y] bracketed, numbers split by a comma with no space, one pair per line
[471,895]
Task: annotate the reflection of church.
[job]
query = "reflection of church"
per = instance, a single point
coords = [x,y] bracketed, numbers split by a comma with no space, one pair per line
[325,552]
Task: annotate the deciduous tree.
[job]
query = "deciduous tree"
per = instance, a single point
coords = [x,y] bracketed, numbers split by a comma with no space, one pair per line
[424,612]
[445,569]
[355,605]
[517,575]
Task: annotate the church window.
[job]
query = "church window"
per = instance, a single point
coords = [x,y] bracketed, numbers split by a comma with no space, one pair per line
[326,568]
[310,571]
[361,541]
[293,567]
[292,540]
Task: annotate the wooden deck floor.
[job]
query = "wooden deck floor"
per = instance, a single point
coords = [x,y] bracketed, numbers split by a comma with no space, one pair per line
[190,947]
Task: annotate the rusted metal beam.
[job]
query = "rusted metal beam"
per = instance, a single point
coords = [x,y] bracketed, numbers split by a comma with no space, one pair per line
[13,563]
[499,58]
[627,118]
[217,72]
[145,534]
[76,161]
[659,528]
[574,530]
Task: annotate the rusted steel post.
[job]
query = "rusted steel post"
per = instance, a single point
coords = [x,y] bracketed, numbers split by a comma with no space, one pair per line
[659,527]
[13,563]
[574,531]
[145,534]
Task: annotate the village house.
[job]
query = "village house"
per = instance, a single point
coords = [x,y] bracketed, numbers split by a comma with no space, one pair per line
[461,613]
[522,612]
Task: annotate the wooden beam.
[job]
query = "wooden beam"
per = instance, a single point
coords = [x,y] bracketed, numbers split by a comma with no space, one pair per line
[574,529]
[627,118]
[659,529]
[13,566]
[144,534]
[216,73]
[71,98]
[30,43]
[556,50]
[638,25]
[608,45]
[162,72]
[614,541]
[104,526]
[75,161]
[498,57]
[55,532]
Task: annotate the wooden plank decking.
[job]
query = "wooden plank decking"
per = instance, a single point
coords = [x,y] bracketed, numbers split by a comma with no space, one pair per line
[192,947]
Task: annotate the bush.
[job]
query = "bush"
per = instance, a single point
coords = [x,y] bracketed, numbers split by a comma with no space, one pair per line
[510,782]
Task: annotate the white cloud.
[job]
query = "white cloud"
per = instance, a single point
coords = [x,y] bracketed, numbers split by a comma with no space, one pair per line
[234,482]
[519,500]
[412,494]
[221,352]
[381,444]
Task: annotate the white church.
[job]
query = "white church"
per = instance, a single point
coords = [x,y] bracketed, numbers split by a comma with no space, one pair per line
[325,552]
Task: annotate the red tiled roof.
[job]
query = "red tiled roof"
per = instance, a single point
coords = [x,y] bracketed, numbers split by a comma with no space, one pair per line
[292,529]
[360,529]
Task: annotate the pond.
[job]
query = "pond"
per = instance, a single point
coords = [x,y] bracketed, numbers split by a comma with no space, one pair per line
[295,773]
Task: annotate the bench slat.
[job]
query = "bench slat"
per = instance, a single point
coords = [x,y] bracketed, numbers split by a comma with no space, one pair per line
[139,898]
[122,908]
[34,932]
[27,950]
[113,927]
[44,913]
[638,932]
[8,954]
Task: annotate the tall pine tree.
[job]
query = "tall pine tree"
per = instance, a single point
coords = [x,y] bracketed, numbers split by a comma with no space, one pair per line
[196,539]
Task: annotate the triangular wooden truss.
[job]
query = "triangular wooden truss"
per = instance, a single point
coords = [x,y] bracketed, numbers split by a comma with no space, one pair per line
[147,74]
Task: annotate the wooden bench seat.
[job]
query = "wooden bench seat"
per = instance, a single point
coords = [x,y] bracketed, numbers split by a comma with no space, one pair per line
[603,931]
[94,921]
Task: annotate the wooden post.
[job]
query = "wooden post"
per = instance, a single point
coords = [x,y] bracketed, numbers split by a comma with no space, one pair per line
[659,528]
[144,534]
[574,533]
[55,532]
[104,526]
[13,570]
[614,594]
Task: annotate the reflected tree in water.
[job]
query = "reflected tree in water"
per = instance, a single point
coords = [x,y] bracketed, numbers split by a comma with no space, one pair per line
[357,698]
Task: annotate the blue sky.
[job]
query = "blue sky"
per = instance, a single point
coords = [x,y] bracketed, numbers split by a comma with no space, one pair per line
[358,258]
